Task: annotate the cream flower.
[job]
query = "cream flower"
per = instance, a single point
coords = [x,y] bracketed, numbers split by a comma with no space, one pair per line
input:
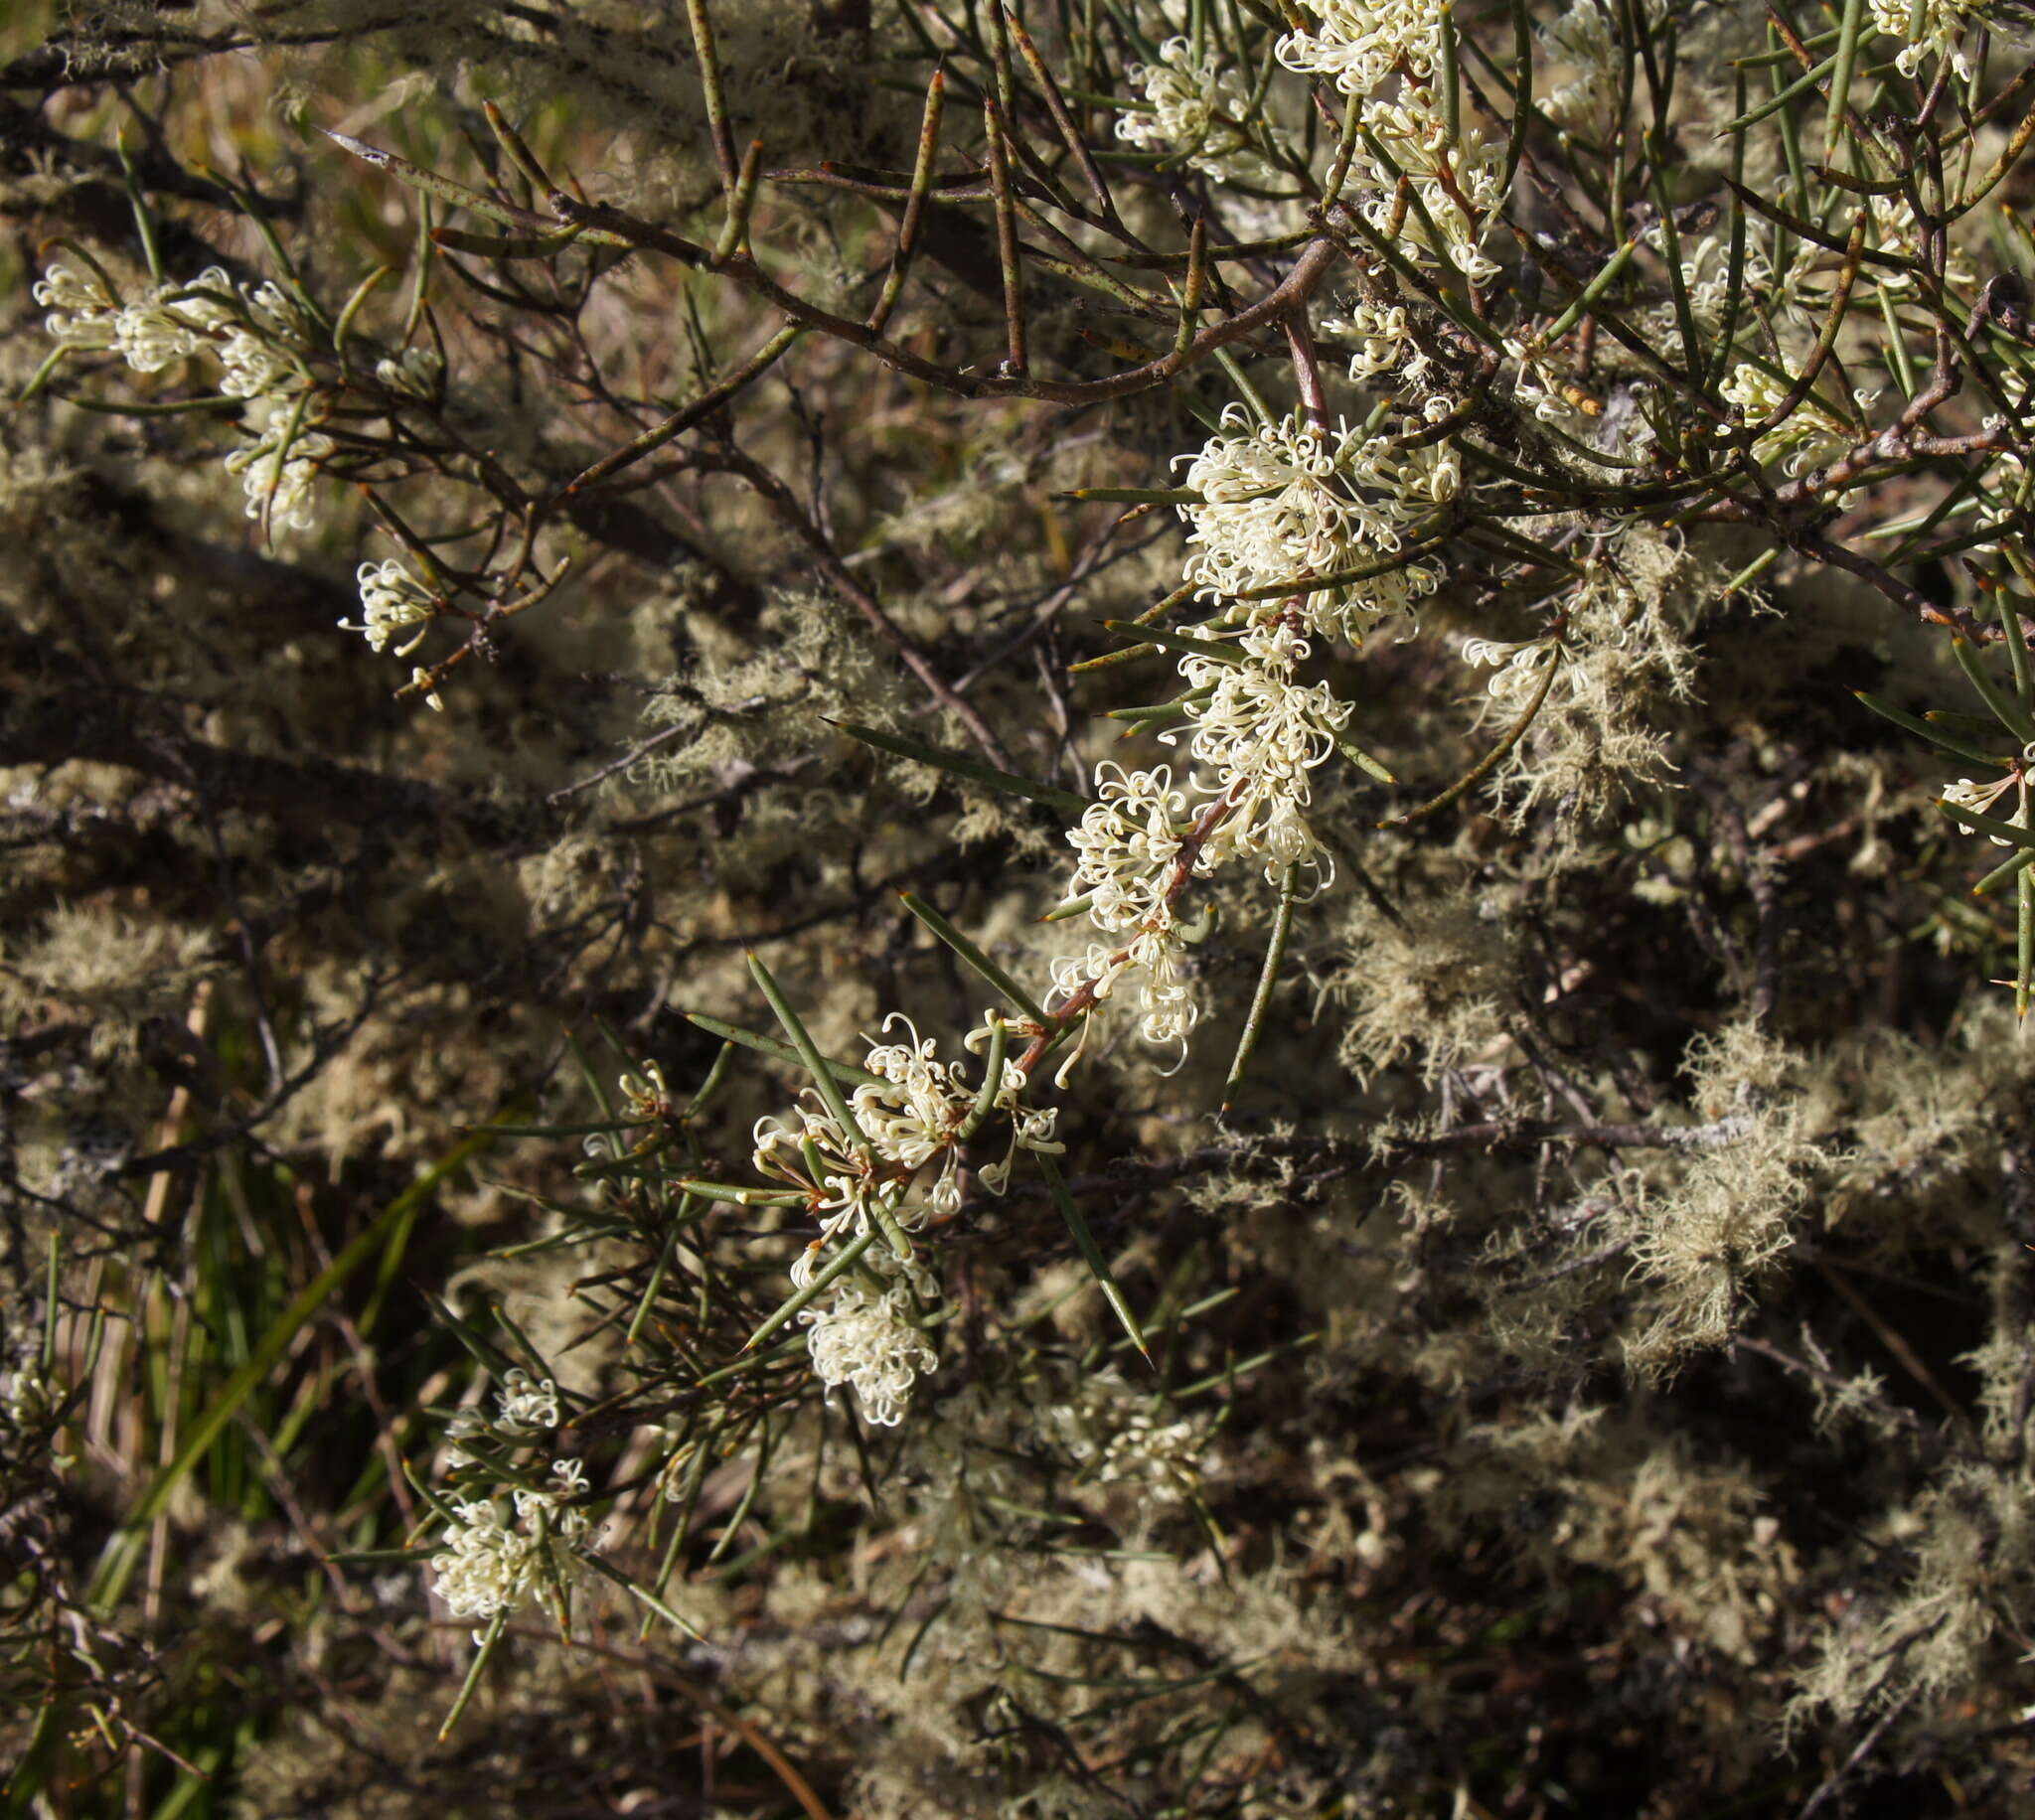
[82,312]
[1127,840]
[1810,437]
[1196,111]
[868,1335]
[175,320]
[1507,661]
[1938,31]
[1270,510]
[417,374]
[1979,799]
[493,1562]
[257,460]
[1583,39]
[1456,181]
[1358,44]
[1382,347]
[1260,732]
[391,601]
[530,1406]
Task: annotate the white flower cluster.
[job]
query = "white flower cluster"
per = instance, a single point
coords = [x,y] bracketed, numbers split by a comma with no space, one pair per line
[257,332]
[391,601]
[169,322]
[1981,800]
[492,1561]
[418,372]
[1935,28]
[1810,437]
[1260,732]
[1194,110]
[1279,507]
[1583,38]
[258,335]
[1515,666]
[869,1337]
[1284,501]
[263,352]
[529,1406]
[1162,1459]
[27,1398]
[1363,44]
[1706,283]
[1119,1437]
[1457,183]
[1359,44]
[1270,508]
[526,1407]
[913,1116]
[276,468]
[1382,347]
[1130,840]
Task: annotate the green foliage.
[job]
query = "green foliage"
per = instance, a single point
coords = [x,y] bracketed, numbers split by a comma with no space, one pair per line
[1474,1251]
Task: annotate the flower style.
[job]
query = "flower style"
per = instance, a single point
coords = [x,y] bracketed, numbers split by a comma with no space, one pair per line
[391,601]
[1359,43]
[1194,111]
[867,1336]
[493,1562]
